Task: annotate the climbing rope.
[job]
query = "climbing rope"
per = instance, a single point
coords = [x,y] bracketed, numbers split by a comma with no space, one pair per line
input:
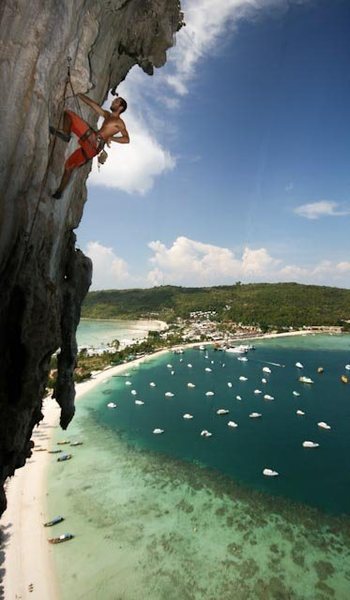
[43,183]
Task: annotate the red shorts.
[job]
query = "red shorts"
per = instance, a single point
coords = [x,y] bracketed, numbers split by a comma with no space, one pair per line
[90,145]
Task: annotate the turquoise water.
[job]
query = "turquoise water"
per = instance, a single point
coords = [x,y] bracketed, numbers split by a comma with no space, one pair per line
[98,333]
[180,516]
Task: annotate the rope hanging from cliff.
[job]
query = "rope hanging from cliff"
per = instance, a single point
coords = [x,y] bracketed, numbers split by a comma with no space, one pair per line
[43,183]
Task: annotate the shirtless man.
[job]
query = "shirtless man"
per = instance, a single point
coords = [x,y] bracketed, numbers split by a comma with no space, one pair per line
[91,142]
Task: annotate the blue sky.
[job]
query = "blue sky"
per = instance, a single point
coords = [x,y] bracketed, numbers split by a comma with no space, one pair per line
[238,166]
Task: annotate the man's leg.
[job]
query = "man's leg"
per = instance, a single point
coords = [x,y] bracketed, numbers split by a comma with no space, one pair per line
[75,160]
[67,174]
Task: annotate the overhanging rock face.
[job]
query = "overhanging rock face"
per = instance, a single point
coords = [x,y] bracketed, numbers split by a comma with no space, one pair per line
[43,277]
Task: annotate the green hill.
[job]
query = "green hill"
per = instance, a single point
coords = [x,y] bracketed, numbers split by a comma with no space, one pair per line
[278,305]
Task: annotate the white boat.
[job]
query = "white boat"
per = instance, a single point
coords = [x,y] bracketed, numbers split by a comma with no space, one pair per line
[242,358]
[232,424]
[229,384]
[169,394]
[323,425]
[209,393]
[208,369]
[157,430]
[206,433]
[255,415]
[300,413]
[191,385]
[257,392]
[299,365]
[237,349]
[238,398]
[128,383]
[169,366]
[295,393]
[187,416]
[202,348]
[172,372]
[303,379]
[268,397]
[242,378]
[270,473]
[266,369]
[308,444]
[111,405]
[347,367]
[139,402]
[264,380]
[222,411]
[189,366]
[152,384]
[134,392]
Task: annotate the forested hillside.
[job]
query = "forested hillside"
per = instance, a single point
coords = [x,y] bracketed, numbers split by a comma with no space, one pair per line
[280,304]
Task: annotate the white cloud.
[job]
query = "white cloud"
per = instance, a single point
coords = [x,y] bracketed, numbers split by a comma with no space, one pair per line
[109,270]
[323,208]
[133,167]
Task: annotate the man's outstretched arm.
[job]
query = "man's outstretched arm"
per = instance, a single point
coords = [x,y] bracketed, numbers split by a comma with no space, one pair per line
[123,138]
[96,107]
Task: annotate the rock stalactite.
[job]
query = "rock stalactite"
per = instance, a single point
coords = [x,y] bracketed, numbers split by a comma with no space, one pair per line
[43,276]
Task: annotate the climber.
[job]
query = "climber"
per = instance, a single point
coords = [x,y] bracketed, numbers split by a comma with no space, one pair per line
[91,142]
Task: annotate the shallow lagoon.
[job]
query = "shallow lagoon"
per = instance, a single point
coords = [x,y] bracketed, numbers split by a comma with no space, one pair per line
[155,518]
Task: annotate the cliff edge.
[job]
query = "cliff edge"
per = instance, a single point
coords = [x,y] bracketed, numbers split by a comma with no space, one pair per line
[43,276]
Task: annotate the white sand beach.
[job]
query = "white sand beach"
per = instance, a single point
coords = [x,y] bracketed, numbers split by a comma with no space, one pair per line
[28,555]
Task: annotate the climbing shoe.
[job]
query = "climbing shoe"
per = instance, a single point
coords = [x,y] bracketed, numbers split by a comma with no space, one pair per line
[63,136]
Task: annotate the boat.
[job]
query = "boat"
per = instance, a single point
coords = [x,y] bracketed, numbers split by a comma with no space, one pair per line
[303,379]
[257,392]
[229,384]
[62,442]
[237,349]
[222,411]
[78,443]
[169,366]
[264,380]
[208,369]
[206,433]
[255,415]
[242,378]
[139,402]
[232,424]
[266,370]
[187,416]
[242,358]
[209,393]
[57,451]
[40,449]
[191,385]
[270,473]
[299,365]
[169,394]
[111,405]
[238,398]
[347,367]
[308,444]
[54,521]
[201,347]
[134,392]
[157,431]
[64,457]
[295,393]
[344,379]
[128,383]
[323,425]
[320,370]
[61,538]
[268,397]
[172,372]
[152,384]
[300,413]
[179,351]
[189,366]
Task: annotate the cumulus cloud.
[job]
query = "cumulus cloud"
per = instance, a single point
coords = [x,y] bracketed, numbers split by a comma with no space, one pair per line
[109,270]
[133,167]
[189,262]
[323,208]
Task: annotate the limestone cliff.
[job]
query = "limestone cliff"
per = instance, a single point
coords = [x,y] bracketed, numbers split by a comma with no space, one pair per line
[43,277]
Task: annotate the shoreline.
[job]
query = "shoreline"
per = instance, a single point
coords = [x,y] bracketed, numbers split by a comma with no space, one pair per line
[28,556]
